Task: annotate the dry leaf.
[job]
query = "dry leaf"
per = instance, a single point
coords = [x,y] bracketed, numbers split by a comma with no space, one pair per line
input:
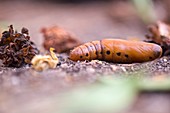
[43,62]
[160,34]
[59,39]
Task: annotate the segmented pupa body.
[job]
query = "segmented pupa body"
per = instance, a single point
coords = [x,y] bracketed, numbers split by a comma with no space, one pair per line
[116,50]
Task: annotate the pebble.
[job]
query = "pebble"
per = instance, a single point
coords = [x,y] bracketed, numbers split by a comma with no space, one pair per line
[64,65]
[123,68]
[113,67]
[165,60]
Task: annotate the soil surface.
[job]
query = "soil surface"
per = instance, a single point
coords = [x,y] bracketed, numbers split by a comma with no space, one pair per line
[26,87]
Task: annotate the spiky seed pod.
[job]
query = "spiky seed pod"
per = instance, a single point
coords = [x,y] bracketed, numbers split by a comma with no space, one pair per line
[16,49]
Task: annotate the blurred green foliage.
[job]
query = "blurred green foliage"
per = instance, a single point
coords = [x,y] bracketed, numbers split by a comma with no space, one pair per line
[110,94]
[145,10]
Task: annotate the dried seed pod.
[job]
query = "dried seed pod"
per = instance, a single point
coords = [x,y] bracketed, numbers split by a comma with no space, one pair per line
[16,49]
[160,34]
[59,39]
[117,50]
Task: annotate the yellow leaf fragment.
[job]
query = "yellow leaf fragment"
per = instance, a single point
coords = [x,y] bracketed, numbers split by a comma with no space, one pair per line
[43,62]
[53,55]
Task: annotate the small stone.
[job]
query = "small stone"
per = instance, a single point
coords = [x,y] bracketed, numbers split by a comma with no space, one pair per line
[113,67]
[64,65]
[165,60]
[96,61]
[123,68]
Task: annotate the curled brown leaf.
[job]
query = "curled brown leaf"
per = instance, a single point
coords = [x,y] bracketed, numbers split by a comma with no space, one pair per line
[59,39]
[160,34]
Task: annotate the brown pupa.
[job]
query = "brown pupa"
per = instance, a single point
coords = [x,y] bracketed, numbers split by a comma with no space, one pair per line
[117,51]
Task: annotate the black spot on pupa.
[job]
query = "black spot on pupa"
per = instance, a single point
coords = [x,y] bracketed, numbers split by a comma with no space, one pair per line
[107,52]
[87,54]
[101,52]
[81,56]
[150,57]
[118,54]
[126,55]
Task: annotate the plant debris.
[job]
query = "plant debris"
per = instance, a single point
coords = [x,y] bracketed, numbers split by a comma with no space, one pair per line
[59,39]
[160,34]
[41,63]
[16,49]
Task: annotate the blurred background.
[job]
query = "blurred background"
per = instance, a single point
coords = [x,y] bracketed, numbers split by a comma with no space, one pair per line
[28,91]
[87,19]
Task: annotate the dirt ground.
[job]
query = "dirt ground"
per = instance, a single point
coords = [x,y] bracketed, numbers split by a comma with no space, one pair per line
[25,86]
